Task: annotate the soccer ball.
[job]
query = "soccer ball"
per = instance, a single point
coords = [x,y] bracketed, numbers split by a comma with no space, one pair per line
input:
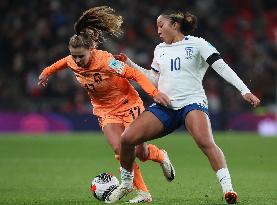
[102,185]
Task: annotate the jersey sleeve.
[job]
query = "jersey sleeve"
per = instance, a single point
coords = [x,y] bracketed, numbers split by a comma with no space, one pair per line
[154,65]
[230,76]
[59,65]
[132,74]
[206,49]
[150,74]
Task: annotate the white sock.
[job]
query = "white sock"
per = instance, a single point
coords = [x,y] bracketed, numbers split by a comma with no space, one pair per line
[224,178]
[127,178]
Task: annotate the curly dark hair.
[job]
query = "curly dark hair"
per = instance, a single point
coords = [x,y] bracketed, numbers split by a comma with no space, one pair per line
[93,24]
[187,21]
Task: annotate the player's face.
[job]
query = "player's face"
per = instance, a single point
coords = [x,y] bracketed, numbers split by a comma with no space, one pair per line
[166,30]
[81,56]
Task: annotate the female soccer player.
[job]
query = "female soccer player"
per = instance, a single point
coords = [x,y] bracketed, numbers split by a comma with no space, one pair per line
[115,102]
[178,68]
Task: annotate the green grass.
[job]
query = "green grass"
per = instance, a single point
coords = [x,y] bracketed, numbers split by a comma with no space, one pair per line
[57,169]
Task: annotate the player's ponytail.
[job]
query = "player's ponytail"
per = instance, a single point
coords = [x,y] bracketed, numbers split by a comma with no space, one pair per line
[93,24]
[189,24]
[187,21]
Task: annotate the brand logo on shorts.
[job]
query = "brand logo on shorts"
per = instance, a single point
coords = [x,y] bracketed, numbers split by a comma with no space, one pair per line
[203,105]
[153,104]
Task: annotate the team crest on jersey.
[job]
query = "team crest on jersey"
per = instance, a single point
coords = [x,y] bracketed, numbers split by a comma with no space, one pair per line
[189,52]
[97,77]
[116,65]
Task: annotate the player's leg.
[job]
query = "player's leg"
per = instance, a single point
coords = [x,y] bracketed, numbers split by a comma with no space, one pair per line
[145,152]
[146,127]
[143,195]
[112,132]
[198,124]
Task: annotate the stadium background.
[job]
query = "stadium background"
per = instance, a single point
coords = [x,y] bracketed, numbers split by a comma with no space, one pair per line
[38,167]
[35,34]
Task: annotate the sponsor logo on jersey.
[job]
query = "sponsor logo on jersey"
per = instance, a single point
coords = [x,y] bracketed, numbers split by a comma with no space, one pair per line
[162,55]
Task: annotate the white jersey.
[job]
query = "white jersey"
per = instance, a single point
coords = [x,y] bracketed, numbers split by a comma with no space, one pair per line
[182,66]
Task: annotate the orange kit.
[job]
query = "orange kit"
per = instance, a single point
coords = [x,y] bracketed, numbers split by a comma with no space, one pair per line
[113,98]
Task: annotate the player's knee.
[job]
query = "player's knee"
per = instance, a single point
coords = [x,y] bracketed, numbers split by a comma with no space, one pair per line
[127,139]
[205,144]
[141,153]
[116,149]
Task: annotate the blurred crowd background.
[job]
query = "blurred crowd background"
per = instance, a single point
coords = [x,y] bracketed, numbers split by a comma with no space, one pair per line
[35,34]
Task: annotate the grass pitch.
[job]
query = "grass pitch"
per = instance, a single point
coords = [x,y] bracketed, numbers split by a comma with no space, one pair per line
[58,168]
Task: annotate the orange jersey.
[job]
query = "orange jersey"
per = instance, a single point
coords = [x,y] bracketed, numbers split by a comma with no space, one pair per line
[106,81]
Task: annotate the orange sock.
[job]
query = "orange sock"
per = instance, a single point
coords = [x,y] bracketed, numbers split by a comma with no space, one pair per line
[155,154]
[138,180]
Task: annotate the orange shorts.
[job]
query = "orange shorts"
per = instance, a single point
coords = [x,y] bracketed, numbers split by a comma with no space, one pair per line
[124,117]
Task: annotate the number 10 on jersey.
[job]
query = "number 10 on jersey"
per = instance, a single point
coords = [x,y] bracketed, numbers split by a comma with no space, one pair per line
[175,64]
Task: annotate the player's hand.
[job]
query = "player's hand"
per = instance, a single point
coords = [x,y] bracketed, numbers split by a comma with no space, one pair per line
[42,80]
[121,57]
[162,99]
[249,97]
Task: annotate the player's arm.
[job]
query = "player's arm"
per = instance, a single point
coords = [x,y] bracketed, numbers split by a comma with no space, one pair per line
[151,75]
[213,58]
[59,65]
[229,75]
[132,74]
